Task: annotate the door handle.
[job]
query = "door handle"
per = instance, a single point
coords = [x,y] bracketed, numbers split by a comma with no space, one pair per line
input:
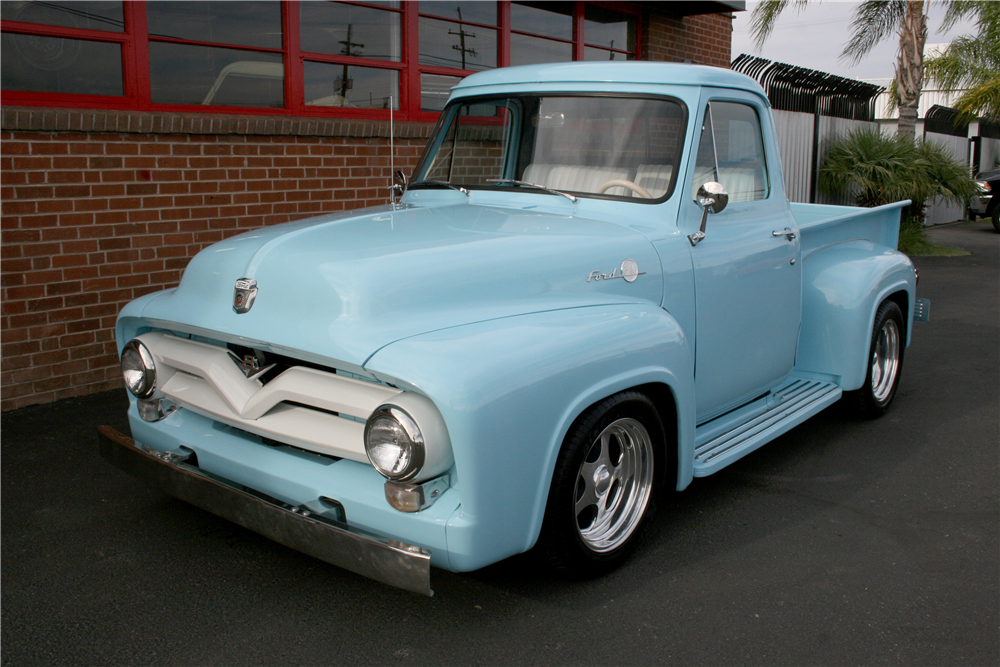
[785,232]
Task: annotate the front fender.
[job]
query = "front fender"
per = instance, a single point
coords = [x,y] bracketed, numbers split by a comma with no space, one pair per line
[509,389]
[842,286]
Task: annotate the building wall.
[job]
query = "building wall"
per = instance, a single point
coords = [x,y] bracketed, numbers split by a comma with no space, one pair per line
[101,207]
[114,208]
[705,39]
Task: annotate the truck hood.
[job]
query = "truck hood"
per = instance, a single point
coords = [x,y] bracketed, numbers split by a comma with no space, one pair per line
[340,287]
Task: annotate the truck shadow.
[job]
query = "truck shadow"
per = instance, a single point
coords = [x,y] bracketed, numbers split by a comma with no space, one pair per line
[820,467]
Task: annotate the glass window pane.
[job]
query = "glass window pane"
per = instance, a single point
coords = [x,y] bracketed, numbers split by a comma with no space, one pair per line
[477,12]
[447,44]
[526,50]
[472,151]
[608,28]
[332,85]
[570,142]
[592,53]
[244,23]
[185,74]
[349,30]
[739,151]
[59,65]
[704,166]
[434,90]
[552,19]
[86,15]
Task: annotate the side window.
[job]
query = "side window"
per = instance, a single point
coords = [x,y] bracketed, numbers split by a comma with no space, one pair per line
[732,146]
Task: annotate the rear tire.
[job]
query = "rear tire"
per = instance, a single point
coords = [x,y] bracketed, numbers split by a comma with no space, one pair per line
[603,486]
[885,363]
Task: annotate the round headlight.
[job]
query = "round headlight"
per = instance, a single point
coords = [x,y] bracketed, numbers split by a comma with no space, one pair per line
[394,443]
[138,369]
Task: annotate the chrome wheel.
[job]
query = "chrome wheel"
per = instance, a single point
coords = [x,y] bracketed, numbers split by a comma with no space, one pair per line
[613,485]
[604,486]
[885,361]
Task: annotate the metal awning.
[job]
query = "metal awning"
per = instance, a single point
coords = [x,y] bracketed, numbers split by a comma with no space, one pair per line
[695,8]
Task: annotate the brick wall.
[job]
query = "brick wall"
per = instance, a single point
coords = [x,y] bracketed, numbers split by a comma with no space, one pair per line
[705,39]
[102,207]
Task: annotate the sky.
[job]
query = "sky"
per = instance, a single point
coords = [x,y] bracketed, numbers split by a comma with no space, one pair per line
[815,36]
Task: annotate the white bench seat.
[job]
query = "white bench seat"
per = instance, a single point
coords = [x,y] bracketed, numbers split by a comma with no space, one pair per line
[575,179]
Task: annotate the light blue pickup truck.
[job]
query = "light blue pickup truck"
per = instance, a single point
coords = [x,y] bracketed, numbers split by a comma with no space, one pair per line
[591,291]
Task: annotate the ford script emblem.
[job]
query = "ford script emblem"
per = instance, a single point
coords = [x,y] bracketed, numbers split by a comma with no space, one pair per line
[245,293]
[629,271]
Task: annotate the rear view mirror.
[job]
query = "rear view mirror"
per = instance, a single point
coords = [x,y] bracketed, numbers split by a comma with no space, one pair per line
[712,198]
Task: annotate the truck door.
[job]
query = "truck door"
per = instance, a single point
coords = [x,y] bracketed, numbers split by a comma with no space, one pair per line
[747,269]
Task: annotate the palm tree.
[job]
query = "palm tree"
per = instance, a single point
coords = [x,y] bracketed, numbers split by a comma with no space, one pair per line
[874,21]
[878,169]
[972,62]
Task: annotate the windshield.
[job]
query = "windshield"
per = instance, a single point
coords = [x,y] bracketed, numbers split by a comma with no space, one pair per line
[593,146]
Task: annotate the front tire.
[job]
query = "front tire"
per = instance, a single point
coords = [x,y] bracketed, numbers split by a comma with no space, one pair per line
[603,485]
[885,365]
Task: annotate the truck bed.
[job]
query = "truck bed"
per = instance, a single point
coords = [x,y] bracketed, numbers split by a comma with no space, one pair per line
[822,225]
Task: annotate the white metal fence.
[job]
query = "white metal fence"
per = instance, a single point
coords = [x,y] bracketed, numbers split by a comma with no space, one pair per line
[938,211]
[797,141]
[989,153]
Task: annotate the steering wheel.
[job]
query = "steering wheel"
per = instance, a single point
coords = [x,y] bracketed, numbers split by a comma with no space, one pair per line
[621,183]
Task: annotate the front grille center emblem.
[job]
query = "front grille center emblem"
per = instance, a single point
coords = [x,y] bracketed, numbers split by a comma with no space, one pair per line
[250,364]
[629,271]
[244,294]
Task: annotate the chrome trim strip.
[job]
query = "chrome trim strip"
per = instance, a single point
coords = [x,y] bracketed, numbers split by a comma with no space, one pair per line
[373,556]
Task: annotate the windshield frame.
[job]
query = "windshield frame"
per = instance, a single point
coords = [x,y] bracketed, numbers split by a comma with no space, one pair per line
[447,117]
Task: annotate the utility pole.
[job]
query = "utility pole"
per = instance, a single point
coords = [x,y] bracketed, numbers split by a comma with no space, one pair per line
[460,47]
[344,83]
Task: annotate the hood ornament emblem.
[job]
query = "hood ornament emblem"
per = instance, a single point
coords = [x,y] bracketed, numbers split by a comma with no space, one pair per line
[629,271]
[244,294]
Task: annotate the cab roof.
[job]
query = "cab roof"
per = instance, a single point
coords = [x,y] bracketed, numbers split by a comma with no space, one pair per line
[639,73]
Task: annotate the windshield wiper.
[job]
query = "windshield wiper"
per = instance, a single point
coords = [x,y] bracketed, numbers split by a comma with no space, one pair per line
[512,181]
[442,184]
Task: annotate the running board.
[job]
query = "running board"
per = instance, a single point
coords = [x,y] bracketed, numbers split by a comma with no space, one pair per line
[732,436]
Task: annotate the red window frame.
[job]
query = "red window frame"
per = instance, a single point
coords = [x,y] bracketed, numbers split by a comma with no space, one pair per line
[135,40]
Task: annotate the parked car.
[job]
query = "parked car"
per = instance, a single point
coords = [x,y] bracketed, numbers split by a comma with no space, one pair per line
[986,204]
[592,291]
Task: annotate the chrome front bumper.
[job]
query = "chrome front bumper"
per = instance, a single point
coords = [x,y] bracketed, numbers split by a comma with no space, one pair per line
[302,529]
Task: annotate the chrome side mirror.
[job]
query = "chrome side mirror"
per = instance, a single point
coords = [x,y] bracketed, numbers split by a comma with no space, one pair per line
[398,187]
[712,198]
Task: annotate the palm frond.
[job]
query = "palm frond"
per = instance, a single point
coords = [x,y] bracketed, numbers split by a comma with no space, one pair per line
[973,63]
[985,12]
[765,17]
[983,100]
[874,21]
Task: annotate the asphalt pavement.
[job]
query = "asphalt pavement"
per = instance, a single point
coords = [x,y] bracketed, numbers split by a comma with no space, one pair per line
[844,542]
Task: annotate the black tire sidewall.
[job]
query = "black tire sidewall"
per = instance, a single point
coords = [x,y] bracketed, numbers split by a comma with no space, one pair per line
[560,544]
[865,403]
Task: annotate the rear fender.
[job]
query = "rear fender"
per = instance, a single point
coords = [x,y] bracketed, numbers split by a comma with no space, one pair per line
[509,391]
[842,286]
